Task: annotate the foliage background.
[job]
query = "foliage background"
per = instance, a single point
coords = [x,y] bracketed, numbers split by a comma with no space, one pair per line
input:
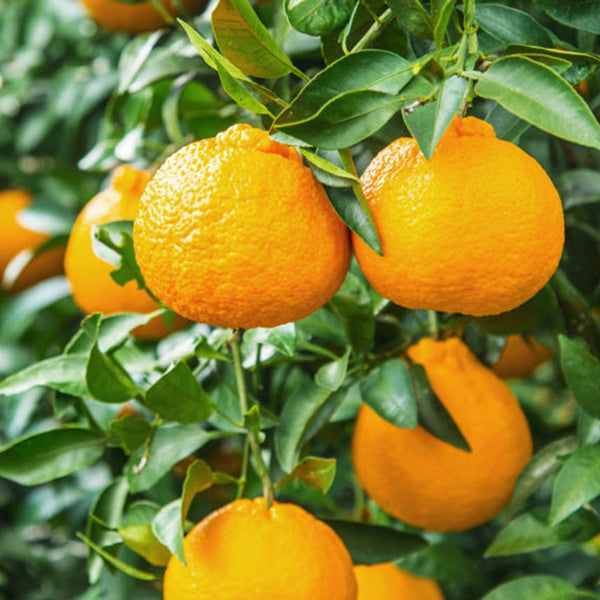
[75,101]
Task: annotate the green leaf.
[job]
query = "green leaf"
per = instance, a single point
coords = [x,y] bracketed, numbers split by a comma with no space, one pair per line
[510,25]
[388,390]
[535,93]
[199,477]
[282,338]
[299,410]
[413,17]
[331,376]
[318,473]
[580,14]
[579,187]
[577,482]
[113,243]
[103,518]
[530,532]
[106,380]
[167,528]
[170,444]
[318,17]
[63,373]
[328,173]
[433,415]
[349,209]
[354,307]
[118,564]
[132,431]
[582,372]
[178,396]
[537,587]
[141,539]
[442,12]
[506,125]
[234,82]
[429,122]
[46,456]
[545,462]
[373,544]
[246,42]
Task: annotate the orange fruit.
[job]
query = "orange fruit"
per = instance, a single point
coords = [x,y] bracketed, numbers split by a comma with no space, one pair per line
[136,18]
[246,551]
[14,238]
[477,229]
[93,288]
[521,357]
[386,582]
[428,483]
[235,231]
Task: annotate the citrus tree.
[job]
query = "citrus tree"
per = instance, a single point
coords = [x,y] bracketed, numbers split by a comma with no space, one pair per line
[327,325]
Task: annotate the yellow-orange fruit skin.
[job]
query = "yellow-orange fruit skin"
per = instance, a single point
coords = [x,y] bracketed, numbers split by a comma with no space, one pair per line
[521,357]
[428,483]
[92,286]
[235,231]
[477,229]
[244,551]
[136,18]
[385,581]
[14,238]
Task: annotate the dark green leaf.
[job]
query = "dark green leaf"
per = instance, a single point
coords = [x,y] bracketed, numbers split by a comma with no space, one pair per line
[442,12]
[372,544]
[413,17]
[246,42]
[510,25]
[433,415]
[577,482]
[332,375]
[318,17]
[580,14]
[178,396]
[535,93]
[49,455]
[132,431]
[328,173]
[582,372]
[536,587]
[388,390]
[506,125]
[349,209]
[579,187]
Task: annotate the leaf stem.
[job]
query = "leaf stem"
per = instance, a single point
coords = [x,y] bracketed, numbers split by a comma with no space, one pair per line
[251,437]
[162,11]
[373,31]
[434,328]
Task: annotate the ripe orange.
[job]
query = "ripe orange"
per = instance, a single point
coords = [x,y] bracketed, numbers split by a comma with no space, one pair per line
[428,483]
[244,551]
[15,238]
[477,229]
[521,357]
[235,231]
[386,582]
[135,18]
[93,288]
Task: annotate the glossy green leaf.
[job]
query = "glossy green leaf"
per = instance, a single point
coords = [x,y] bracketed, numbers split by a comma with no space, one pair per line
[318,17]
[442,12]
[106,379]
[327,172]
[282,338]
[582,372]
[246,42]
[199,477]
[433,415]
[132,431]
[577,482]
[510,25]
[167,528]
[63,373]
[170,444]
[318,473]
[580,14]
[373,544]
[178,396]
[331,376]
[579,187]
[530,532]
[389,391]
[349,209]
[299,410]
[413,17]
[535,93]
[537,587]
[506,125]
[141,539]
[49,455]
